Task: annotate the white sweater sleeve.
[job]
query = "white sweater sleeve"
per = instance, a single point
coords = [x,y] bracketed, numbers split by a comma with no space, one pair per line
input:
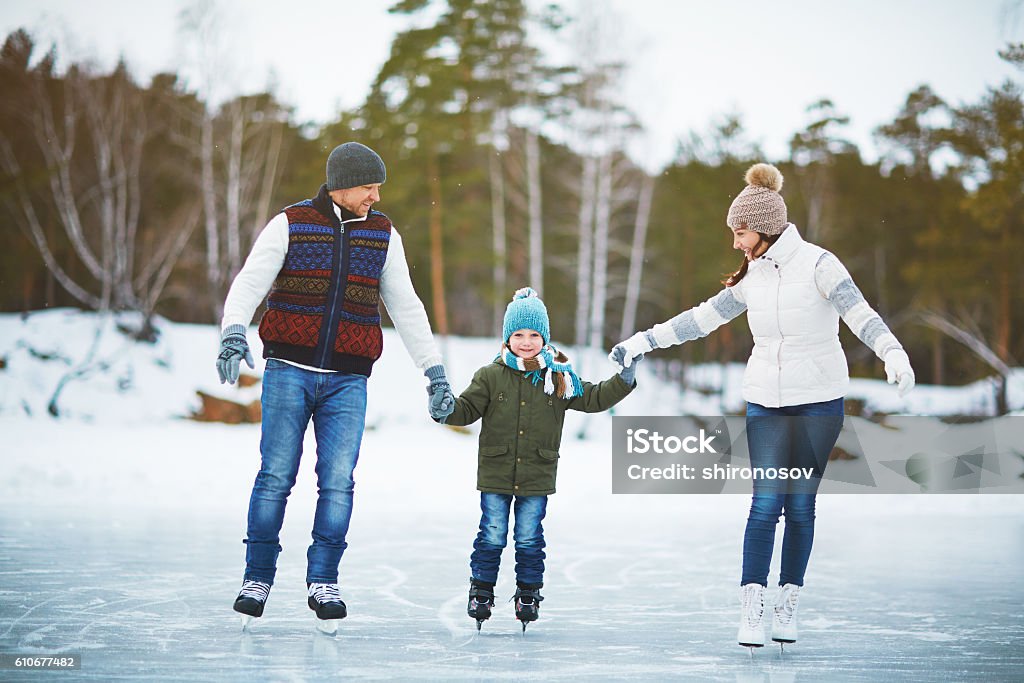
[835,284]
[255,278]
[405,307]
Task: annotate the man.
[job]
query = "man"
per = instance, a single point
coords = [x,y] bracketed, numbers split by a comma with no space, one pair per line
[326,263]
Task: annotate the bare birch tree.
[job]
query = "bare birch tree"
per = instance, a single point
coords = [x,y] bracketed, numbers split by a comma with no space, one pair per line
[90,131]
[238,149]
[200,26]
[596,126]
[636,257]
[585,246]
[534,202]
[602,227]
[496,177]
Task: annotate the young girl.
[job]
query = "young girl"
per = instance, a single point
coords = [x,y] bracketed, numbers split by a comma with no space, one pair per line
[794,293]
[522,397]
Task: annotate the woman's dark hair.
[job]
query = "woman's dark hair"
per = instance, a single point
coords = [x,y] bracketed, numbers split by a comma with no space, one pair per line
[739,274]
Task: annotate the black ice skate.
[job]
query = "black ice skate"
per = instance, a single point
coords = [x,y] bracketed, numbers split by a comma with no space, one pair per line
[251,600]
[527,599]
[325,600]
[481,600]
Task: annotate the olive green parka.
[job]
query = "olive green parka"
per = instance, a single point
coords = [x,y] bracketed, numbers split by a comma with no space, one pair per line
[522,426]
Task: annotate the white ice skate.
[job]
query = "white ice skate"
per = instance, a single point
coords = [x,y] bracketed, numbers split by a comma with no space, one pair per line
[751,632]
[784,614]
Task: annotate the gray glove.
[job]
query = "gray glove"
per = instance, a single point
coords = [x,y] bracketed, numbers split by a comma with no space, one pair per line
[442,402]
[628,373]
[233,348]
[637,345]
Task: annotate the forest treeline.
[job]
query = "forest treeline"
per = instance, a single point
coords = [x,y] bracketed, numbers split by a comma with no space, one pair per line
[505,170]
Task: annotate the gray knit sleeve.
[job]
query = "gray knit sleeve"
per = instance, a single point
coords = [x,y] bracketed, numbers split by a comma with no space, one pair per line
[835,284]
[699,321]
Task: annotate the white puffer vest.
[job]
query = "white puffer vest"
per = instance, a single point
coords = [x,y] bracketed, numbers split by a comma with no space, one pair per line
[797,357]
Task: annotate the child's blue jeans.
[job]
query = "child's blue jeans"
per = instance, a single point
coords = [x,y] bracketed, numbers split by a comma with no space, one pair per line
[528,535]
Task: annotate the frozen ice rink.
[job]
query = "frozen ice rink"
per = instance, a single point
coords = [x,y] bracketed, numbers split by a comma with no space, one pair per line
[136,569]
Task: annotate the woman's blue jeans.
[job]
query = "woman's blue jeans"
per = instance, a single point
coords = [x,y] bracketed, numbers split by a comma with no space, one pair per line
[528,535]
[799,436]
[336,402]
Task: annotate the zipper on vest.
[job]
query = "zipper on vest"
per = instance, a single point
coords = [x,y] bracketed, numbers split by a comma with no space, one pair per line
[333,314]
[782,339]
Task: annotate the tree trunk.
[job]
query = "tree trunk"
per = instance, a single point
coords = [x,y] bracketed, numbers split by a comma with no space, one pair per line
[269,178]
[233,193]
[209,193]
[602,227]
[1005,312]
[534,204]
[585,250]
[436,246]
[883,293]
[636,258]
[55,270]
[499,237]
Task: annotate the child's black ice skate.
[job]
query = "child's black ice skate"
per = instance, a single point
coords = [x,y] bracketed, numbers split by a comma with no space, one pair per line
[481,600]
[325,600]
[251,600]
[527,599]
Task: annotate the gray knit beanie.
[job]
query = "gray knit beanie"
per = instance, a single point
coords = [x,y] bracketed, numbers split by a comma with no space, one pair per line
[352,165]
[759,206]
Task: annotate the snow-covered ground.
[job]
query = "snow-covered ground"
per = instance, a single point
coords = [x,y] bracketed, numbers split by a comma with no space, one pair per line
[121,527]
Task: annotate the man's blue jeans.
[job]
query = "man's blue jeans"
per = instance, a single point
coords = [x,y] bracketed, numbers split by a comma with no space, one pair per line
[528,535]
[792,436]
[336,402]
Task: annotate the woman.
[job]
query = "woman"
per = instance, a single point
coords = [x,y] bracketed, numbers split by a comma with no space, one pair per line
[794,293]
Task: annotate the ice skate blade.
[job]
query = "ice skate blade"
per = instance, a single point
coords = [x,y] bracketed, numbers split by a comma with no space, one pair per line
[246,621]
[327,626]
[750,649]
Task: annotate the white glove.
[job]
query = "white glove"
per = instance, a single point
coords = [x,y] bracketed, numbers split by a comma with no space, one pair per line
[898,370]
[624,352]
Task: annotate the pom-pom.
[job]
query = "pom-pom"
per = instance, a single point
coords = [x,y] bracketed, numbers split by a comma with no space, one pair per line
[764,175]
[524,293]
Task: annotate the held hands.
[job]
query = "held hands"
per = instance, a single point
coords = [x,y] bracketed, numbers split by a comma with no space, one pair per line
[441,403]
[898,371]
[233,348]
[624,353]
[628,374]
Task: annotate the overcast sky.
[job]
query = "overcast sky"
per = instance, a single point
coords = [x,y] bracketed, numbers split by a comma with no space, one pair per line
[689,62]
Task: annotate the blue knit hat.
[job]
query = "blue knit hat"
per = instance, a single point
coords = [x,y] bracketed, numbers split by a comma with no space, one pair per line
[526,312]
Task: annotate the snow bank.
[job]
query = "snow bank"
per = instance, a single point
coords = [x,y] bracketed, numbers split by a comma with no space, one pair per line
[123,381]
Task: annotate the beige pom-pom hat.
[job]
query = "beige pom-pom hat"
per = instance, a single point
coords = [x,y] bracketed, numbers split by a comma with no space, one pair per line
[759,206]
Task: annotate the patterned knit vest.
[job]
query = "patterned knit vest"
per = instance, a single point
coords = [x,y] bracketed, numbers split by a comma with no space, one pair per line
[322,309]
